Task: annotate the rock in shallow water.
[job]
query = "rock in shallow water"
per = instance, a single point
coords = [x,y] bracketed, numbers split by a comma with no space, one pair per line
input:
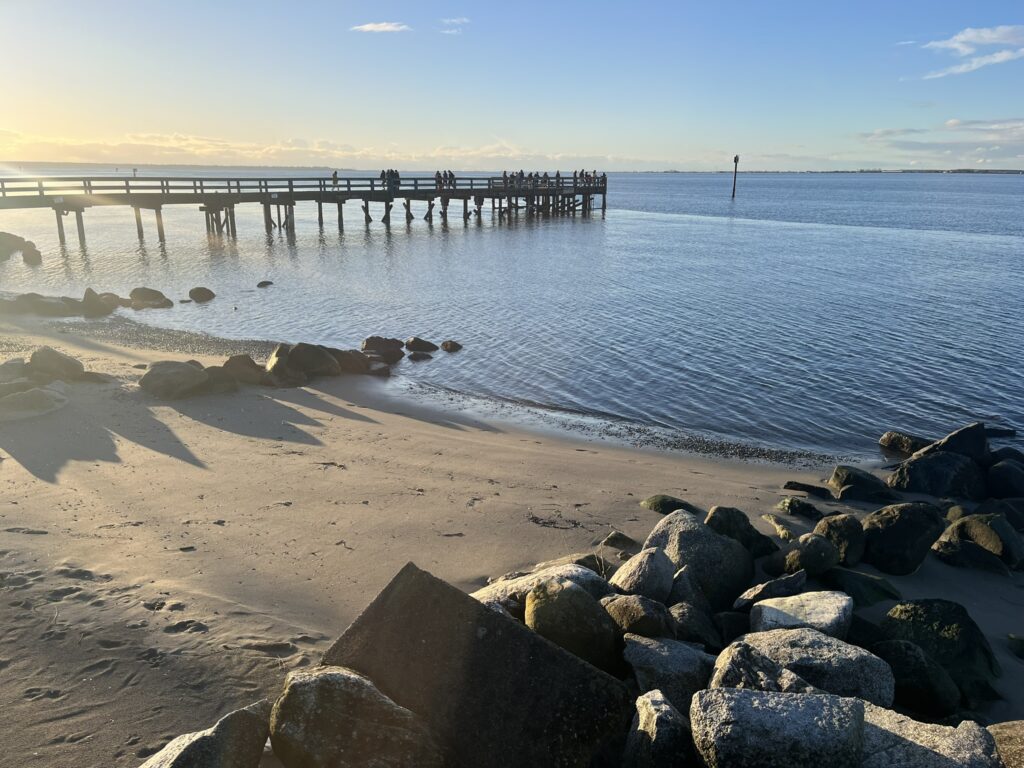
[333,716]
[236,741]
[902,443]
[735,728]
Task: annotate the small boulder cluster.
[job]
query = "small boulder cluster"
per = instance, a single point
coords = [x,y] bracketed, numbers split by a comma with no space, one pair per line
[35,386]
[680,650]
[95,305]
[289,365]
[11,244]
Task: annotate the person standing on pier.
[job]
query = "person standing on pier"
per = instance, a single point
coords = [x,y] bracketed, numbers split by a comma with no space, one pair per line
[334,179]
[437,179]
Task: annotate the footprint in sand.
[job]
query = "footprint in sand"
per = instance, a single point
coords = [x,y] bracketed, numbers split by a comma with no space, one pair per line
[271,648]
[28,531]
[56,595]
[110,644]
[32,694]
[189,625]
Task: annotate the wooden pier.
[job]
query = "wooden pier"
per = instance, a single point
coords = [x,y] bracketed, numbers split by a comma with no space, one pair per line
[217,197]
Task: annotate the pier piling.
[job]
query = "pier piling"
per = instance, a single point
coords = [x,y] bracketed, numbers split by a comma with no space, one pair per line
[138,221]
[60,226]
[160,225]
[81,228]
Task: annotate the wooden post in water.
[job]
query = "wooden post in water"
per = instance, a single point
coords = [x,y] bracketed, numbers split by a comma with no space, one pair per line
[408,211]
[159,224]
[320,213]
[60,226]
[386,218]
[366,210]
[81,227]
[735,170]
[429,215]
[341,216]
[465,209]
[138,221]
[268,223]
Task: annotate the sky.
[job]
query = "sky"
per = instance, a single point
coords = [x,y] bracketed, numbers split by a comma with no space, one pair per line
[655,85]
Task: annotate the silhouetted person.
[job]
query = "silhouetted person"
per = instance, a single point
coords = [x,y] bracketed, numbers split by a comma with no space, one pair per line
[334,179]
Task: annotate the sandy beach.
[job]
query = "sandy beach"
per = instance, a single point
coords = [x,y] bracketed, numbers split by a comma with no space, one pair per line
[162,564]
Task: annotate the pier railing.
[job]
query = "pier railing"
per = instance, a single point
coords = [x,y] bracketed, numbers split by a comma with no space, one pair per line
[52,186]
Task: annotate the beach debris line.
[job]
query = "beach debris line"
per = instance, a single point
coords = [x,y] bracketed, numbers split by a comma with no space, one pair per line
[701,643]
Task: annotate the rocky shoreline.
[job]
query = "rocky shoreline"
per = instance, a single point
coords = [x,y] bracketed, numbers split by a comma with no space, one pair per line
[707,644]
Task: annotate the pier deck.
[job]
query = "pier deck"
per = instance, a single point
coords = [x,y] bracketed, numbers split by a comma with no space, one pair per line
[217,197]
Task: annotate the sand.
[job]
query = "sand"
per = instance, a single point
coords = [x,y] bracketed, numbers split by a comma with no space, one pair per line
[162,564]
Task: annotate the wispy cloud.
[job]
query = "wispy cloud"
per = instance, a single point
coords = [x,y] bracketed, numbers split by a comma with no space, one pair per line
[453,31]
[907,42]
[383,26]
[458,21]
[967,42]
[956,143]
[889,133]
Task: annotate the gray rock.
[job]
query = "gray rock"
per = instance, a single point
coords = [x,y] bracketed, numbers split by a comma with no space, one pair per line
[312,360]
[854,484]
[659,736]
[450,345]
[797,507]
[245,370]
[828,663]
[677,669]
[735,524]
[1012,509]
[921,684]
[521,702]
[648,573]
[333,716]
[350,360]
[946,632]
[846,533]
[816,491]
[419,357]
[664,504]
[967,554]
[149,298]
[970,442]
[201,295]
[902,443]
[741,665]
[892,740]
[990,532]
[731,625]
[637,615]
[865,588]
[589,560]
[686,590]
[1006,479]
[619,540]
[511,593]
[735,728]
[571,618]
[49,363]
[784,586]
[940,474]
[1009,738]
[280,371]
[264,283]
[219,380]
[897,538]
[827,612]
[812,553]
[720,566]
[94,306]
[235,741]
[416,344]
[694,626]
[173,380]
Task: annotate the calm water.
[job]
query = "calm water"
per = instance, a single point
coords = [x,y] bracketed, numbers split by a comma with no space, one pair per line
[814,312]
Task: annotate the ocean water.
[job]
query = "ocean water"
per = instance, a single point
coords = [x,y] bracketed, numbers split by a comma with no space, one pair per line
[812,313]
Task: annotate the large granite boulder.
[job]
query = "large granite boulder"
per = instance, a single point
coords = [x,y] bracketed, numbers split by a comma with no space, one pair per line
[333,716]
[659,736]
[149,298]
[280,371]
[235,741]
[784,586]
[1010,508]
[940,473]
[735,728]
[946,632]
[571,618]
[245,370]
[847,535]
[921,684]
[312,360]
[648,573]
[511,593]
[677,669]
[990,532]
[201,295]
[94,306]
[1005,479]
[812,553]
[173,379]
[491,690]
[637,615]
[963,553]
[48,363]
[902,443]
[970,441]
[350,360]
[720,566]
[735,524]
[855,484]
[1009,738]
[828,612]
[828,663]
[389,350]
[741,665]
[416,344]
[897,538]
[892,740]
[685,589]
[694,626]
